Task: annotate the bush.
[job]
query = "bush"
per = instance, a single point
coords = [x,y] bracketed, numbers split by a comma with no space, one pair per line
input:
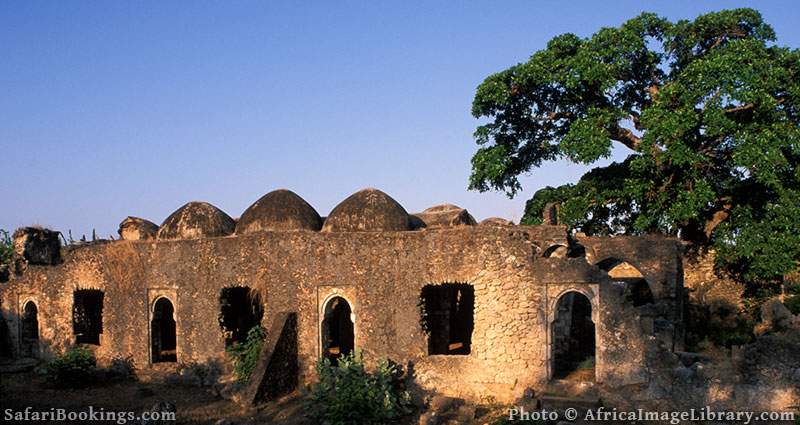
[245,354]
[73,369]
[6,247]
[721,325]
[793,303]
[122,368]
[199,374]
[348,394]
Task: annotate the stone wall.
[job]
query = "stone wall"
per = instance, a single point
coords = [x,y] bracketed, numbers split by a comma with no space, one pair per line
[381,275]
[705,286]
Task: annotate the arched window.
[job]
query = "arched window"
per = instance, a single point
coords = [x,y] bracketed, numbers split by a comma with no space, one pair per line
[637,289]
[30,321]
[163,336]
[338,333]
[573,338]
[555,251]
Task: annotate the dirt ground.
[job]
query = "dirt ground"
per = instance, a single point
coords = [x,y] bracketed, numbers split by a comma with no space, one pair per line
[194,405]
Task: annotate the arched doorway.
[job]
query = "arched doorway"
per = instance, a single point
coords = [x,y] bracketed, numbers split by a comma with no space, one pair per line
[162,332]
[573,338]
[30,330]
[338,335]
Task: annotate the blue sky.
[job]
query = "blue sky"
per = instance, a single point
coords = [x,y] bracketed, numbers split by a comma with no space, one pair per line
[110,109]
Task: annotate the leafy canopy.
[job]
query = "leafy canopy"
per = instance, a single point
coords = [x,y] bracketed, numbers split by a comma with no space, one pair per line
[708,110]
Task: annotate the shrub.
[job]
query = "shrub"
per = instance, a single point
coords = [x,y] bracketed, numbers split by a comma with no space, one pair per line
[199,374]
[122,368]
[6,247]
[73,369]
[245,354]
[348,394]
[6,252]
[720,325]
[793,304]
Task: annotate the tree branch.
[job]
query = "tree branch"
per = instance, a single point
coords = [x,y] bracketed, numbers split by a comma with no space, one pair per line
[718,217]
[624,136]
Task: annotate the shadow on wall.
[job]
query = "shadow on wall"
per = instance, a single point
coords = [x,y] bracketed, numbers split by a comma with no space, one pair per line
[21,336]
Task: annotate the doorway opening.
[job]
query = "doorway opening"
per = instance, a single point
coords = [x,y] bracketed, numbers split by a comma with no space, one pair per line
[338,334]
[87,316]
[448,317]
[573,339]
[29,330]
[240,311]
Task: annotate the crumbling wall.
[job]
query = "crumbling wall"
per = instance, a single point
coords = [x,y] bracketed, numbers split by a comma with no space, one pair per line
[380,274]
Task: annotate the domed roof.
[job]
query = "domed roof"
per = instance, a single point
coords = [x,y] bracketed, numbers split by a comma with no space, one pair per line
[135,228]
[196,220]
[445,215]
[496,221]
[278,210]
[368,210]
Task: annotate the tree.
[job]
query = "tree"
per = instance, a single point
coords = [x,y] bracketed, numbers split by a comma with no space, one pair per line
[708,110]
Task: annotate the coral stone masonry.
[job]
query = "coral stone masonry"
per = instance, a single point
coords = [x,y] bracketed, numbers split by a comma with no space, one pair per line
[471,310]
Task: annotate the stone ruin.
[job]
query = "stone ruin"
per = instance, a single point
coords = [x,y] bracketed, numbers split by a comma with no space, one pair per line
[472,310]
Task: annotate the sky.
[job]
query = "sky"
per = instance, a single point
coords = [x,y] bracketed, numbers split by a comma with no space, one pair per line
[111,109]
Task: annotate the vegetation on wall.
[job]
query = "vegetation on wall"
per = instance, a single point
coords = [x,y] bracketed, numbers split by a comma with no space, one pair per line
[6,247]
[347,393]
[245,354]
[707,110]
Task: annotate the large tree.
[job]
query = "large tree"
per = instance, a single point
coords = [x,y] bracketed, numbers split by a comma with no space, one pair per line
[708,110]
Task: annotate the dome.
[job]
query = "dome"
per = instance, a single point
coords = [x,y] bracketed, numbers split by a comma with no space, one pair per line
[196,220]
[368,210]
[496,221]
[278,210]
[135,229]
[445,215]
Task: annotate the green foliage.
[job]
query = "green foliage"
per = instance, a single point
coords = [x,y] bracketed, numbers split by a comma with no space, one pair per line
[6,247]
[245,354]
[587,364]
[707,109]
[349,394]
[74,368]
[793,304]
[720,325]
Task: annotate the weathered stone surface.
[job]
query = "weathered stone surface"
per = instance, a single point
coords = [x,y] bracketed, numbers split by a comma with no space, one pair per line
[196,220]
[496,221]
[368,210]
[279,210]
[381,276]
[705,285]
[446,215]
[776,317]
[137,229]
[276,372]
[37,245]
